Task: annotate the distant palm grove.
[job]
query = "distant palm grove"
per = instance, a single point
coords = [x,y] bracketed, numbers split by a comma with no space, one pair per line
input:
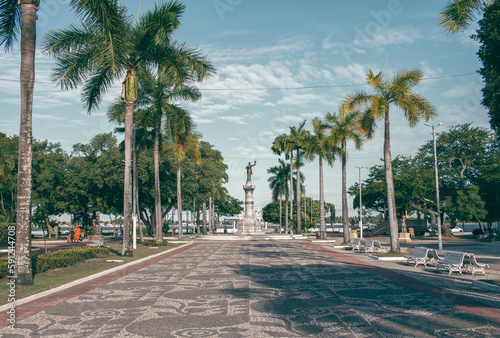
[164,164]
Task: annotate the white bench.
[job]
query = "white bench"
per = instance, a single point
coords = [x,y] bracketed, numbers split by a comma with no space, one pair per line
[452,261]
[373,246]
[357,244]
[421,255]
[473,266]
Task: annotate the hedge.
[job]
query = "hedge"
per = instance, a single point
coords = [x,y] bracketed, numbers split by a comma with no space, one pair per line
[150,242]
[4,233]
[58,259]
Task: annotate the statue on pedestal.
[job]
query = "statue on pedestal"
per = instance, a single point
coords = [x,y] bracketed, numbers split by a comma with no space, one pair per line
[249,170]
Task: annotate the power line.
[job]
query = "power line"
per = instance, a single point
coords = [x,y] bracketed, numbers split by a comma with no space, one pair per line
[282,88]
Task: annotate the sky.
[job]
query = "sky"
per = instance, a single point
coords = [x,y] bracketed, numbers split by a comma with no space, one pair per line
[278,63]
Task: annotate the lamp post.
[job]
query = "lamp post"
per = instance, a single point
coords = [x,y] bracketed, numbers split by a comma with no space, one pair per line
[360,206]
[440,240]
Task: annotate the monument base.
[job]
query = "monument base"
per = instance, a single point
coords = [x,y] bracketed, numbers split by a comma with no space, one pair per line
[249,226]
[404,237]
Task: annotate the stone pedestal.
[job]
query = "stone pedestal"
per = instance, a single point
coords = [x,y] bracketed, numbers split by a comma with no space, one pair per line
[404,237]
[249,225]
[353,234]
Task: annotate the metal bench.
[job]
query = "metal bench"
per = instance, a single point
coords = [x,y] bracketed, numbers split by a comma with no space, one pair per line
[421,255]
[357,244]
[472,266]
[452,261]
[373,246]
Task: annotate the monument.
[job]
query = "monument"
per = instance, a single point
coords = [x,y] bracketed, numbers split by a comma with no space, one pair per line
[249,225]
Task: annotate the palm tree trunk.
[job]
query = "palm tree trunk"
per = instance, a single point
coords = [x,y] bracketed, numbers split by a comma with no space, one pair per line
[389,184]
[179,199]
[136,191]
[127,250]
[156,160]
[280,212]
[322,222]
[299,215]
[286,217]
[291,189]
[345,212]
[24,178]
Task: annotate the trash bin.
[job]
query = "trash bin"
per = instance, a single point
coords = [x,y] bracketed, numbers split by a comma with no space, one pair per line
[317,234]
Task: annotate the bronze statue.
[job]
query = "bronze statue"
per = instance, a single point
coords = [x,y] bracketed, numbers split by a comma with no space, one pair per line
[249,170]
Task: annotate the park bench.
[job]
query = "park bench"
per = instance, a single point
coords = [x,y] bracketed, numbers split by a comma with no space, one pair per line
[373,246]
[357,244]
[452,261]
[473,266]
[421,255]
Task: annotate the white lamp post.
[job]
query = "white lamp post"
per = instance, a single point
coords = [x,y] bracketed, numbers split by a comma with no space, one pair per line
[360,207]
[440,240]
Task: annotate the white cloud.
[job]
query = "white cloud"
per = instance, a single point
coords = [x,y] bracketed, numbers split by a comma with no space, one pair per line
[233,119]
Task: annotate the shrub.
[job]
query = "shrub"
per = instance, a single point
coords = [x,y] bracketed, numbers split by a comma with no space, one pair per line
[4,230]
[478,231]
[151,242]
[57,259]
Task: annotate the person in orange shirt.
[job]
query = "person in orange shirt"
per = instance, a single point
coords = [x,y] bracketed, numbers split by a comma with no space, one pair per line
[76,236]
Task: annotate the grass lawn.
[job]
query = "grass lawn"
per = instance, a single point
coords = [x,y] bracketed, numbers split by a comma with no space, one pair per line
[54,278]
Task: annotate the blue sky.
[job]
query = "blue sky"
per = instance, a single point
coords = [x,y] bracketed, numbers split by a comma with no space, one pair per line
[279,62]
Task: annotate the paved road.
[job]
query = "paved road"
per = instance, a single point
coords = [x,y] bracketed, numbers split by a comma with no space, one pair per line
[258,289]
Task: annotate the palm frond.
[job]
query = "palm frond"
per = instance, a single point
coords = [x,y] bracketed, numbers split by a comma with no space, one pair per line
[457,15]
[97,84]
[10,22]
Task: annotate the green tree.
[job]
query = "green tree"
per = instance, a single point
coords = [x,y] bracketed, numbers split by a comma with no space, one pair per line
[344,127]
[283,144]
[318,144]
[278,183]
[487,35]
[21,15]
[457,15]
[104,47]
[8,177]
[376,106]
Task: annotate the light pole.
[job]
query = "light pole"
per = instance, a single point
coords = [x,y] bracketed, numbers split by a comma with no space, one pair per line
[440,240]
[360,206]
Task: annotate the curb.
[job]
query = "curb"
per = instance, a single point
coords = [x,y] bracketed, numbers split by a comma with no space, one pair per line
[387,258]
[486,286]
[36,296]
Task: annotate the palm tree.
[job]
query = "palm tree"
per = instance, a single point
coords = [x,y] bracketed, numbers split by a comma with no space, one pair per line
[318,144]
[283,144]
[184,141]
[279,186]
[376,107]
[106,46]
[12,14]
[296,138]
[457,15]
[156,92]
[344,127]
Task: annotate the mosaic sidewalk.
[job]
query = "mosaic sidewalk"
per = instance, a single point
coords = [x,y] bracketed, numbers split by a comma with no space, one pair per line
[258,289]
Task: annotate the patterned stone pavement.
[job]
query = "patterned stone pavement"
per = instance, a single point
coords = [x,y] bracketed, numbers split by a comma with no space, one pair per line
[254,289]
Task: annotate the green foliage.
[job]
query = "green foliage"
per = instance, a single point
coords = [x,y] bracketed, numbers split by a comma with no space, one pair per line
[4,233]
[58,259]
[152,243]
[488,53]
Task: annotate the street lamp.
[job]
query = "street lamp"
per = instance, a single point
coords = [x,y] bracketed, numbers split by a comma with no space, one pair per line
[360,206]
[440,240]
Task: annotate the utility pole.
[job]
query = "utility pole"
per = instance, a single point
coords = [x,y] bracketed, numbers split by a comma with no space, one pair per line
[440,240]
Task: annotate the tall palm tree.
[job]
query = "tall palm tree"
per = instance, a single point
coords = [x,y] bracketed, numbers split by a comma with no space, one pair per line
[157,91]
[318,144]
[284,145]
[14,13]
[376,106]
[107,45]
[344,127]
[296,137]
[184,141]
[457,15]
[279,186]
